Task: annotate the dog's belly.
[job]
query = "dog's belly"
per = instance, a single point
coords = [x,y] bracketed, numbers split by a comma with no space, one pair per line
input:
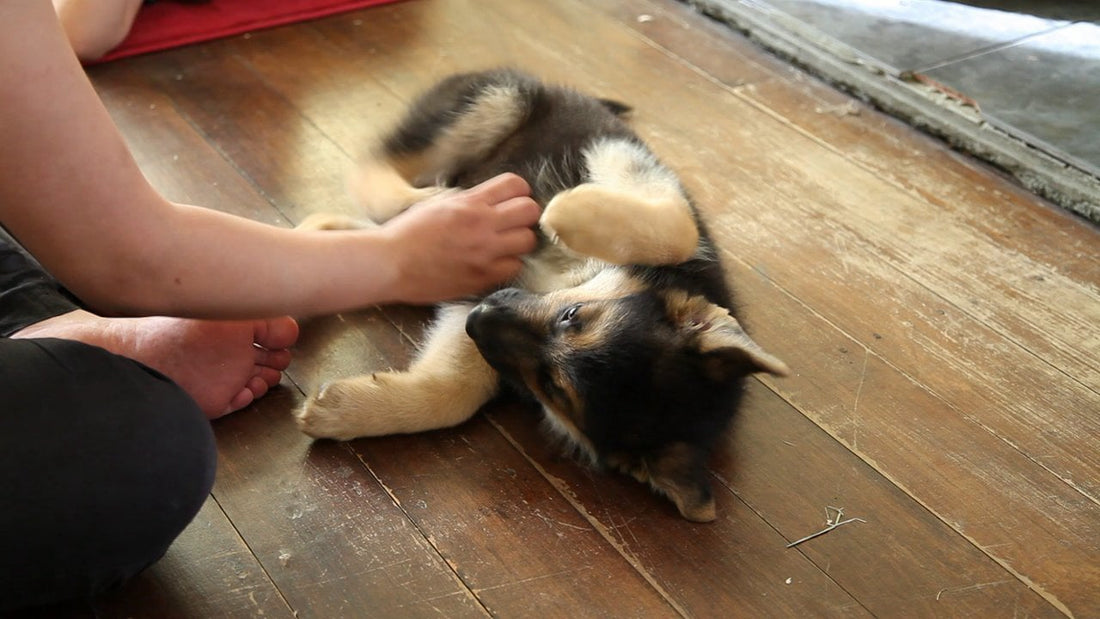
[553,269]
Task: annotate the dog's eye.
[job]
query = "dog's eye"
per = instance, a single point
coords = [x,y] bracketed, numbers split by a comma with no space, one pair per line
[569,315]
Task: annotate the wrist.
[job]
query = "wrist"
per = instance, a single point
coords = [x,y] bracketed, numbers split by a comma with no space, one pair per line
[380,263]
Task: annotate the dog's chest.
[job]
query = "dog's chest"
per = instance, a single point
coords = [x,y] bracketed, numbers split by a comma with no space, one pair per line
[553,268]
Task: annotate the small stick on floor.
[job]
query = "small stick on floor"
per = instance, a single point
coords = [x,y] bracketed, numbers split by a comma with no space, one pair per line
[830,520]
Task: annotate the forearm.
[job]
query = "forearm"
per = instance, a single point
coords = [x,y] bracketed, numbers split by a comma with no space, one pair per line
[71,192]
[203,263]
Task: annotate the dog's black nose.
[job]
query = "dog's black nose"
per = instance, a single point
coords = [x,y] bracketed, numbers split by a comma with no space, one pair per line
[506,296]
[483,317]
[495,315]
[474,321]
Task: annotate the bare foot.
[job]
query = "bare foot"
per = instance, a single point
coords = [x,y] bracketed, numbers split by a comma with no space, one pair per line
[223,365]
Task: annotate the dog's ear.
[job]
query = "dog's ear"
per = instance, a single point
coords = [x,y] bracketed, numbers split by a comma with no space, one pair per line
[728,352]
[680,472]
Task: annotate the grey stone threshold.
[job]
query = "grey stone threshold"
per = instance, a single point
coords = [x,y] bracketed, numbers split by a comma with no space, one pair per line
[922,104]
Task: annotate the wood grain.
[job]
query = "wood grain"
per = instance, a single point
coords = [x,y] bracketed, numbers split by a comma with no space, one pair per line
[941,323]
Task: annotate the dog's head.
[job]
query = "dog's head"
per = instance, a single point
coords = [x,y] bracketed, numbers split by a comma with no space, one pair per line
[644,381]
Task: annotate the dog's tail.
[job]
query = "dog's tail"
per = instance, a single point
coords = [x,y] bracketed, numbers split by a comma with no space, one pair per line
[617,108]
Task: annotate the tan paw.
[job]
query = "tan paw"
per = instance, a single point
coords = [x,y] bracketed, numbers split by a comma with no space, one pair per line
[383,403]
[621,227]
[369,405]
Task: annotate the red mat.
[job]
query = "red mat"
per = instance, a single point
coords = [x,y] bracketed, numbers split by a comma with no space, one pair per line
[167,24]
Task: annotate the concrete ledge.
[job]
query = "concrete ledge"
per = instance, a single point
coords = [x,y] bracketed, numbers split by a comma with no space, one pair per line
[922,105]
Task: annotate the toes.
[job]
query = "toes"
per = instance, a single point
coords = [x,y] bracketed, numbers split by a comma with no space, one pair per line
[275,333]
[277,360]
[268,376]
[258,386]
[239,401]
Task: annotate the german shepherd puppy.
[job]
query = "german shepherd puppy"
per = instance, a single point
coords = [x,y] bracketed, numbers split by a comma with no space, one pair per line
[620,324]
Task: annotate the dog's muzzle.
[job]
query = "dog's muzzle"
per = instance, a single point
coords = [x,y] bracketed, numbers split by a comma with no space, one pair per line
[496,311]
[499,328]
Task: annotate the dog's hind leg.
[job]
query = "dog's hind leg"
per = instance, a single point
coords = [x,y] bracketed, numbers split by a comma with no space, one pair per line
[632,210]
[382,191]
[446,384]
[461,120]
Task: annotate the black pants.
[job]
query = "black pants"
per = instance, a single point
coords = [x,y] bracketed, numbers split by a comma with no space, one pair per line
[103,461]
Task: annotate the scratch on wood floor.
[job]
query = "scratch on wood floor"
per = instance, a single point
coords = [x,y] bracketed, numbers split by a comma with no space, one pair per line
[533,578]
[859,393]
[550,522]
[970,588]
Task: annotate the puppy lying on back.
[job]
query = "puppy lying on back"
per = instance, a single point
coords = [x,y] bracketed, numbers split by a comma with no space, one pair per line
[620,324]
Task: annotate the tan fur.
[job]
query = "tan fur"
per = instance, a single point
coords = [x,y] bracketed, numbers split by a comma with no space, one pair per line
[493,115]
[565,427]
[628,209]
[446,384]
[621,227]
[383,193]
[667,475]
[718,329]
[633,210]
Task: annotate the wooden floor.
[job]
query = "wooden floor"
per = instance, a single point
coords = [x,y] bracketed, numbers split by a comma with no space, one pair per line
[943,326]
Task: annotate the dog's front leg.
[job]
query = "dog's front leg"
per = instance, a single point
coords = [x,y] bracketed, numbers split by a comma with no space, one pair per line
[446,384]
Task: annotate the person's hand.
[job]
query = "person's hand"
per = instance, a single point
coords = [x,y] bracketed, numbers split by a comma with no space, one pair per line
[459,243]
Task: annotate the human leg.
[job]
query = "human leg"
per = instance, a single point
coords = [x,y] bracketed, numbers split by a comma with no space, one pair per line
[103,462]
[95,27]
[27,293]
[224,365]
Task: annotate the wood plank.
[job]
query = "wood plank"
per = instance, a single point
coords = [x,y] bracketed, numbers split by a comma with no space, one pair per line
[1065,254]
[876,560]
[208,571]
[950,395]
[786,165]
[947,180]
[1040,530]
[513,540]
[735,566]
[288,160]
[786,471]
[490,581]
[595,78]
[177,161]
[319,525]
[327,533]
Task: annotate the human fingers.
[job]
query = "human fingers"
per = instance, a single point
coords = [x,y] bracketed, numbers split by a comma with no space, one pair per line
[501,188]
[515,242]
[503,269]
[521,212]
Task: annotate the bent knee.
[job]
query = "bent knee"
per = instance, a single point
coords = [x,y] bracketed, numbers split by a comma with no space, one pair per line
[109,461]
